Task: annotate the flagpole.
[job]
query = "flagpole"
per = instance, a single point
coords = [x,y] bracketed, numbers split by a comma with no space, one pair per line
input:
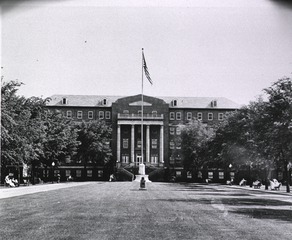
[142,112]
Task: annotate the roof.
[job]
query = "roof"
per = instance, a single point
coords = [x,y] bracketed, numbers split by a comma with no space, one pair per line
[181,102]
[201,102]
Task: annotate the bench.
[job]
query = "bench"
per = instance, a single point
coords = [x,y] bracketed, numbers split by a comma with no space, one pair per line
[275,185]
[257,184]
[26,182]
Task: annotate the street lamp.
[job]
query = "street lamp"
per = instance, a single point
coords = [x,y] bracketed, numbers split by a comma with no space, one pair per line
[53,165]
[230,166]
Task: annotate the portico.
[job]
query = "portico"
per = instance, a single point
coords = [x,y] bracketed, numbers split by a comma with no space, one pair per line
[153,138]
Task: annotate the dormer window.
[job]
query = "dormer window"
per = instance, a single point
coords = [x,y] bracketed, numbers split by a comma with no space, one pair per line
[64,101]
[174,103]
[214,103]
[104,101]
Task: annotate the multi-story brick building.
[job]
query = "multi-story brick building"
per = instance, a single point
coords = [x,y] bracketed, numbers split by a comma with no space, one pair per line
[162,118]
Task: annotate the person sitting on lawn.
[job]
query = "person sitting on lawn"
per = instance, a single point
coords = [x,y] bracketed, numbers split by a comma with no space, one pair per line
[10,181]
[275,184]
[112,178]
[257,184]
[242,182]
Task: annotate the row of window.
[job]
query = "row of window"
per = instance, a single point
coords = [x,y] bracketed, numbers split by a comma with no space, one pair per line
[154,143]
[75,173]
[173,130]
[126,158]
[172,115]
[178,116]
[172,145]
[101,114]
[154,113]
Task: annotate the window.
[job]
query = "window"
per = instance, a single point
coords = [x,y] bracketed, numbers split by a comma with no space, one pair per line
[220,116]
[101,114]
[108,115]
[78,173]
[189,116]
[221,175]
[171,160]
[90,114]
[178,131]
[125,143]
[200,116]
[210,175]
[174,103]
[171,115]
[154,158]
[69,114]
[100,173]
[171,130]
[79,114]
[64,101]
[210,116]
[56,172]
[104,102]
[154,113]
[68,173]
[139,143]
[126,112]
[125,158]
[178,145]
[89,173]
[171,144]
[154,143]
[140,113]
[178,173]
[178,116]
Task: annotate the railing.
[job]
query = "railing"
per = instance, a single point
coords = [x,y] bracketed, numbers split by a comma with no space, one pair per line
[138,116]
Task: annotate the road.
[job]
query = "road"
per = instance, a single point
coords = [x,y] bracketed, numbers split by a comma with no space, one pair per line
[119,210]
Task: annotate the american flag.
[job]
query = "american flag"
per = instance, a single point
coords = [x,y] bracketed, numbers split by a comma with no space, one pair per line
[146,70]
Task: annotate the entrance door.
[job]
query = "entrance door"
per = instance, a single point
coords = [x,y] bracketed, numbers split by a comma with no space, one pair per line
[138,159]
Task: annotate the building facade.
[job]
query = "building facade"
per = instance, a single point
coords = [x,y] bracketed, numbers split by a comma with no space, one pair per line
[160,125]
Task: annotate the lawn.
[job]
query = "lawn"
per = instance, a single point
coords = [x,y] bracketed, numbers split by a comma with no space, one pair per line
[118,210]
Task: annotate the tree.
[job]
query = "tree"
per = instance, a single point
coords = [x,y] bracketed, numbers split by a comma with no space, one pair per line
[30,134]
[258,134]
[60,138]
[94,137]
[194,139]
[279,133]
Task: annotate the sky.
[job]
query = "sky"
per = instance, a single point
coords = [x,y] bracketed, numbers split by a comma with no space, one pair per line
[199,48]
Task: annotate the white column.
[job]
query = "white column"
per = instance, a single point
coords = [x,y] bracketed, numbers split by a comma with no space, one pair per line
[161,144]
[148,143]
[119,143]
[133,143]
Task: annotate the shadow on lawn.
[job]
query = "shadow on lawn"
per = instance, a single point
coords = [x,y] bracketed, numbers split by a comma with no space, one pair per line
[255,208]
[266,213]
[233,201]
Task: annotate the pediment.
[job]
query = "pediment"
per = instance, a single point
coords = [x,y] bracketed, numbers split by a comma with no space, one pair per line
[139,103]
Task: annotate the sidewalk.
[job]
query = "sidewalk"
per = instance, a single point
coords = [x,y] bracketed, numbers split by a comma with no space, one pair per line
[7,192]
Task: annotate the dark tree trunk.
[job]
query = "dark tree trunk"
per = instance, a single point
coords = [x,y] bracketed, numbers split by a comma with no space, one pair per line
[288,174]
